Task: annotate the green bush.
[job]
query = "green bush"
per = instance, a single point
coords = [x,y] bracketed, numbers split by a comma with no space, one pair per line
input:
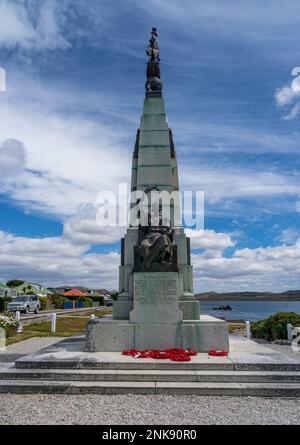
[4,302]
[14,283]
[87,301]
[99,300]
[43,301]
[59,301]
[72,298]
[275,327]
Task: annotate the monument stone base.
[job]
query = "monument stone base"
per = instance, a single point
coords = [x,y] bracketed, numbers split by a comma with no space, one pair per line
[158,320]
[201,335]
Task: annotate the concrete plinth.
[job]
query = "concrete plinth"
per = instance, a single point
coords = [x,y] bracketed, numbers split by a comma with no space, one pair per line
[157,336]
[122,309]
[114,336]
[190,309]
[109,335]
[205,335]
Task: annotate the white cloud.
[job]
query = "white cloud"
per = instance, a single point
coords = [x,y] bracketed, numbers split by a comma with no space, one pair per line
[271,269]
[234,183]
[29,25]
[55,261]
[293,113]
[86,230]
[252,21]
[289,99]
[209,239]
[285,95]
[12,158]
[58,260]
[289,236]
[42,25]
[209,137]
[69,158]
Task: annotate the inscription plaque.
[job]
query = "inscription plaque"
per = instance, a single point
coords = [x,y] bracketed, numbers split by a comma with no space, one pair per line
[155,298]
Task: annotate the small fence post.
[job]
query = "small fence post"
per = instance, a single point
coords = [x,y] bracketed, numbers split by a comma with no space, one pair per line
[53,322]
[18,320]
[248,330]
[289,332]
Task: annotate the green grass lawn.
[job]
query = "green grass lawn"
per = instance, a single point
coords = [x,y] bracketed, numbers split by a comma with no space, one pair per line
[233,327]
[65,327]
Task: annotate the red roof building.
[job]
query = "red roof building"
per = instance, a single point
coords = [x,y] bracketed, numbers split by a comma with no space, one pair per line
[75,293]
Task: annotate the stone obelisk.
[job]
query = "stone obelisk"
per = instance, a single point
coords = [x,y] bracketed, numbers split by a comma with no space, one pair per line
[156,307]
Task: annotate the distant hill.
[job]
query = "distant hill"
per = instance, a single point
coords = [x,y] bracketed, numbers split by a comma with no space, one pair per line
[290,295]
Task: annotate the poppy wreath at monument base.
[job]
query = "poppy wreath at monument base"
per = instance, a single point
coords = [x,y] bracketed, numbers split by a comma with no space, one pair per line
[175,355]
[214,353]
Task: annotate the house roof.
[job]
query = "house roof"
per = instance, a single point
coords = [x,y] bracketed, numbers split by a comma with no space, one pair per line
[44,290]
[95,294]
[75,293]
[21,286]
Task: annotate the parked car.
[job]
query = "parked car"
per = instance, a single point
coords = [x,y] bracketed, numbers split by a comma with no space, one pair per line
[25,303]
[109,302]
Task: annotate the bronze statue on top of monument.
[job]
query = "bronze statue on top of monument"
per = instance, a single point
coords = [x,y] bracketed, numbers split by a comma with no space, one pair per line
[153,84]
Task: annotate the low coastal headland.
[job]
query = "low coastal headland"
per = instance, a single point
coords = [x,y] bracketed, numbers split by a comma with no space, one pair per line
[291,295]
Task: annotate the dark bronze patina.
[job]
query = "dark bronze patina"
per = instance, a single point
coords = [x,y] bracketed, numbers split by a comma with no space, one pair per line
[153,84]
[156,250]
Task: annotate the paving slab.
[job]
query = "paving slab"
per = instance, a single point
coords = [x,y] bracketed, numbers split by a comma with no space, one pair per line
[271,389]
[43,387]
[70,353]
[203,389]
[17,350]
[250,355]
[245,355]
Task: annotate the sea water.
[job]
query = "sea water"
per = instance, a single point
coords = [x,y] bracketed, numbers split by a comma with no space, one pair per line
[248,310]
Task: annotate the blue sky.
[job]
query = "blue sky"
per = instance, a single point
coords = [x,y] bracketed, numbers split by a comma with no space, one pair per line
[75,86]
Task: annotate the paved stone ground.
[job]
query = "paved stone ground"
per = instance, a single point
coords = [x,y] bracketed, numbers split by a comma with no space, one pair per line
[283,349]
[146,410]
[137,409]
[17,350]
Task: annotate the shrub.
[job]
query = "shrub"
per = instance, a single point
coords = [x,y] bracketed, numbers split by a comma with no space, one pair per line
[274,327]
[58,301]
[14,283]
[4,302]
[87,301]
[8,320]
[72,298]
[43,301]
[99,300]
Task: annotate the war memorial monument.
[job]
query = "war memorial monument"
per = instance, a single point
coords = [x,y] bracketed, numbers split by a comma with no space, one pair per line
[156,308]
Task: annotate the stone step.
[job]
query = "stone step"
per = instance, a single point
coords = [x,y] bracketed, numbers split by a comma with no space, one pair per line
[149,375]
[25,363]
[183,388]
[201,364]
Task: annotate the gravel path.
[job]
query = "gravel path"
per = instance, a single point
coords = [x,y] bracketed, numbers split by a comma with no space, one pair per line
[147,410]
